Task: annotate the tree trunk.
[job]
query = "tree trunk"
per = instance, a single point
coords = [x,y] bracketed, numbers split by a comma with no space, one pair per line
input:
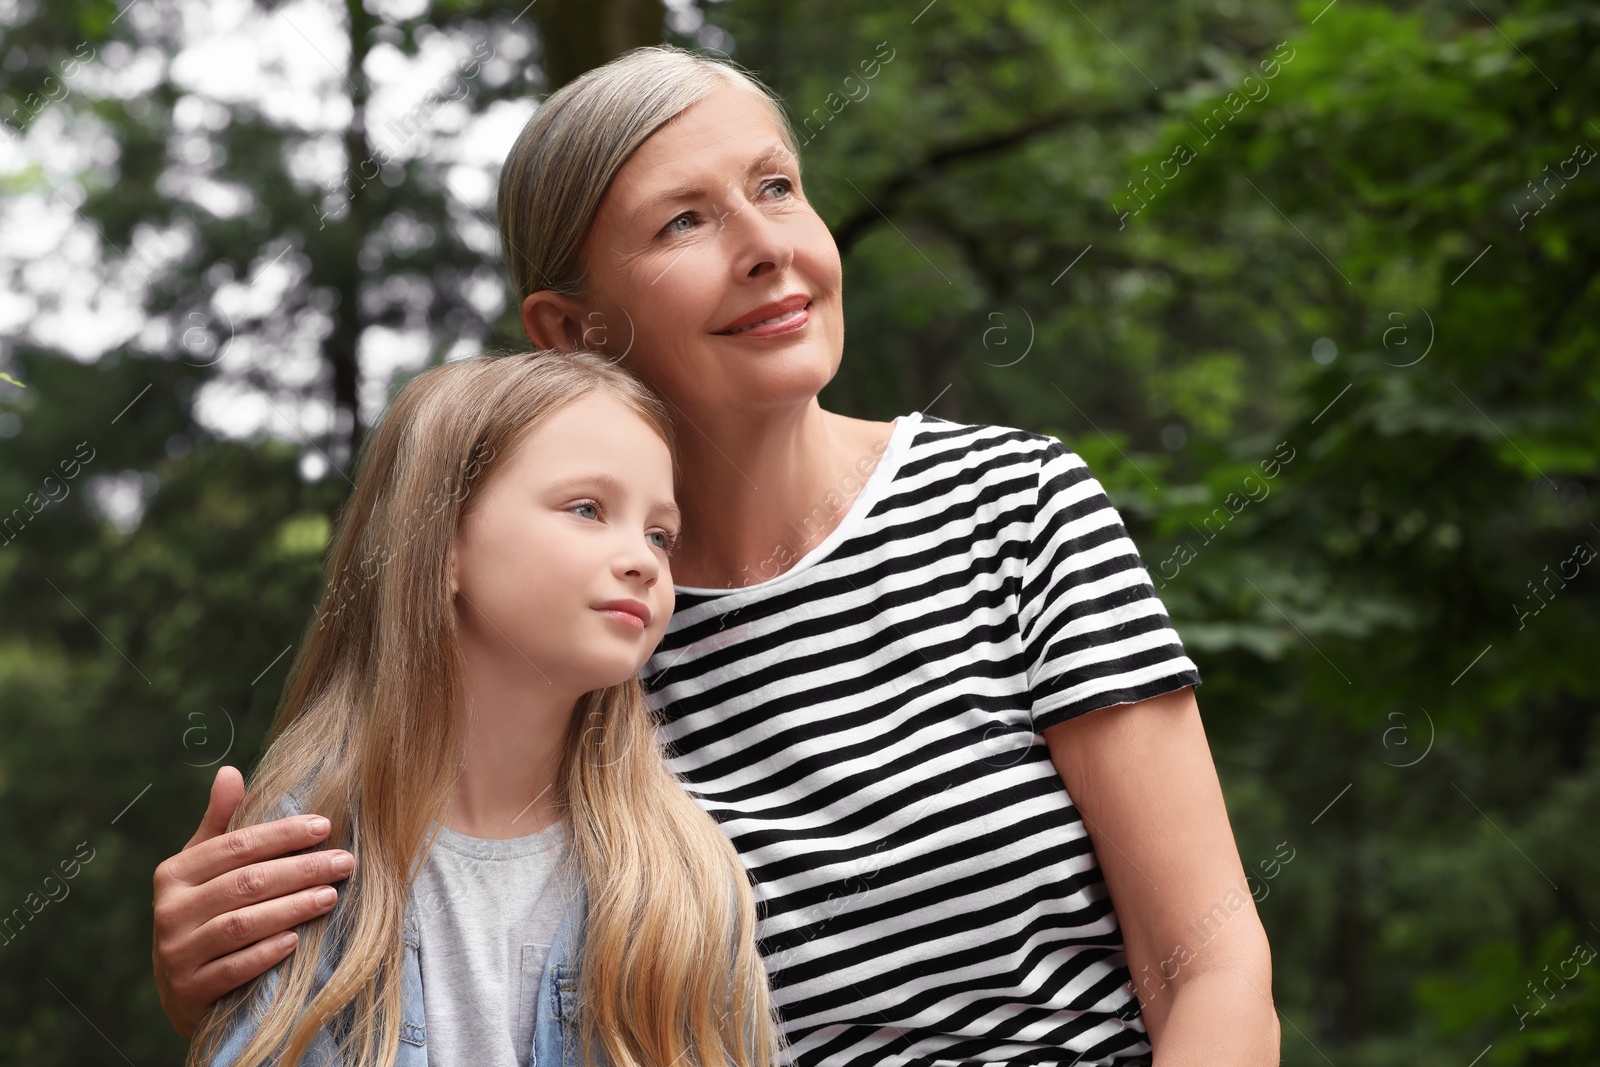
[345,274]
[580,35]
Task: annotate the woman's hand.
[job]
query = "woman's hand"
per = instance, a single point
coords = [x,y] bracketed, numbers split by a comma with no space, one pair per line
[1142,777]
[226,906]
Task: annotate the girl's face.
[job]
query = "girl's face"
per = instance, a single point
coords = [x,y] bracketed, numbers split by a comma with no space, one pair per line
[561,563]
[705,226]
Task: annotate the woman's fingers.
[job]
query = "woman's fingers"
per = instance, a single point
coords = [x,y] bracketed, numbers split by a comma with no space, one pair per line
[198,924]
[211,859]
[226,905]
[200,962]
[227,792]
[242,907]
[235,969]
[186,1002]
[224,937]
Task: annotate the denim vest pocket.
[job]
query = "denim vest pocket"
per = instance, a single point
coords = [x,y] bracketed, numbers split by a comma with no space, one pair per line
[530,991]
[564,980]
[413,1026]
[564,992]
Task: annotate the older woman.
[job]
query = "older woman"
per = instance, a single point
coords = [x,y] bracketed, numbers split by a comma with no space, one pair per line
[917,671]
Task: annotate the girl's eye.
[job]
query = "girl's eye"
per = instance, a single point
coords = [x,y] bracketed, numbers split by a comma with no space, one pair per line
[586,507]
[669,541]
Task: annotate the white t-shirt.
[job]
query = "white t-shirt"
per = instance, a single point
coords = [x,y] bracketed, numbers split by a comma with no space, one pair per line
[488,911]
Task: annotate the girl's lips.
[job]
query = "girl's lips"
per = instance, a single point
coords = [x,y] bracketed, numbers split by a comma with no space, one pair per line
[627,618]
[787,323]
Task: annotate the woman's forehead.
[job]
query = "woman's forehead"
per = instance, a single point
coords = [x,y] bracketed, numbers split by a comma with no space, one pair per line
[728,136]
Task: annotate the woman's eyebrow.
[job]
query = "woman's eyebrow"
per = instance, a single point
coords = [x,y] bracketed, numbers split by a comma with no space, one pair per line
[691,192]
[671,197]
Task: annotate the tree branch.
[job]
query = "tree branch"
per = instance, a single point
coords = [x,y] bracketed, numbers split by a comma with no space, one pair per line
[854,227]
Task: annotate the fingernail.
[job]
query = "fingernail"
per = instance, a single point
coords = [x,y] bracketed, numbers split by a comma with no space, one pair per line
[318,825]
[285,940]
[343,863]
[325,897]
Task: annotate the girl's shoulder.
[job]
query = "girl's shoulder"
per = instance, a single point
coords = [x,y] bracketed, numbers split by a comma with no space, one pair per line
[289,804]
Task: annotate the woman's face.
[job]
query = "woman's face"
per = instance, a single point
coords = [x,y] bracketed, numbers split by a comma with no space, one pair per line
[575,524]
[705,230]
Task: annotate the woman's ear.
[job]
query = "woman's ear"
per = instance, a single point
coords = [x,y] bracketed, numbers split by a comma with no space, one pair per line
[552,320]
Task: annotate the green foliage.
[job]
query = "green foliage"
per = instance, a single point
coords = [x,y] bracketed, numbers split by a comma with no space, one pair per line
[1372,554]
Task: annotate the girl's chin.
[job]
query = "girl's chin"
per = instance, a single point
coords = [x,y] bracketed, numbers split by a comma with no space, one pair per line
[608,680]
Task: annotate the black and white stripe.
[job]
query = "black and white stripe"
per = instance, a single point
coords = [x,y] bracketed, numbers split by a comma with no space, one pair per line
[865,728]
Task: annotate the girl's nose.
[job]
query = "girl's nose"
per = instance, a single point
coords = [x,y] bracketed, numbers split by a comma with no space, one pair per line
[640,561]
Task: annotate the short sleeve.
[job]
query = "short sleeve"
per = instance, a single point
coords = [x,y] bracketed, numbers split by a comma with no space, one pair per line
[1094,632]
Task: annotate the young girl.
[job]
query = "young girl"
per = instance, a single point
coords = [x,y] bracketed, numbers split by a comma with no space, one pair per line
[532,884]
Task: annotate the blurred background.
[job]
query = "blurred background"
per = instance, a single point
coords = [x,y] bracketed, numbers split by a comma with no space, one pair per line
[1314,288]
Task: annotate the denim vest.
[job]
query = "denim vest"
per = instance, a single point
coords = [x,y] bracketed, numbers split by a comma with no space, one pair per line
[554,1029]
[554,1034]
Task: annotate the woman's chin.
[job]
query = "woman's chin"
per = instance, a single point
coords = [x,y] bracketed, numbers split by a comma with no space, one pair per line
[775,379]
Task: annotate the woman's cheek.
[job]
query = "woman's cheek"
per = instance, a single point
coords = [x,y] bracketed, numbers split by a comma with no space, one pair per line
[823,252]
[670,289]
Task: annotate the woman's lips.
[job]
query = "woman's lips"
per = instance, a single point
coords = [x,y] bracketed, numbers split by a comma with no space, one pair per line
[767,320]
[778,326]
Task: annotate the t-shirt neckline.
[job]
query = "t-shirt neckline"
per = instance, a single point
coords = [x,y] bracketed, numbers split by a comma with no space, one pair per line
[501,847]
[888,464]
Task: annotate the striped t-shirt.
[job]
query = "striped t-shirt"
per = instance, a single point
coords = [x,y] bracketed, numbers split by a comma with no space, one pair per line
[865,728]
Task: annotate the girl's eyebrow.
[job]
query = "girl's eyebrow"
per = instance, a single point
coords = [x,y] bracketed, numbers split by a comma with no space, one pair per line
[610,484]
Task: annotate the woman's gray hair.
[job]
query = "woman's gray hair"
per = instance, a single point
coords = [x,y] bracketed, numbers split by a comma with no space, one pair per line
[566,157]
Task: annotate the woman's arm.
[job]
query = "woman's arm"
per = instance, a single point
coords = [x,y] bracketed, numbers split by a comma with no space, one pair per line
[226,906]
[1142,777]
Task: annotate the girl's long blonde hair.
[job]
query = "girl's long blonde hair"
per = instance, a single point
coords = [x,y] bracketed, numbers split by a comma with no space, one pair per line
[369,733]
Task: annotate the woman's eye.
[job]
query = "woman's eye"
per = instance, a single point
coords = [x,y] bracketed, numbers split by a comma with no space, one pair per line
[788,186]
[673,227]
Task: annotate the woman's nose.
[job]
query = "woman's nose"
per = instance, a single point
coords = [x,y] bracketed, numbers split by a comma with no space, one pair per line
[762,245]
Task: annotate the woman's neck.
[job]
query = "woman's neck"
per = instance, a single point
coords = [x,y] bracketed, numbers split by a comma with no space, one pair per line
[758,492]
[516,740]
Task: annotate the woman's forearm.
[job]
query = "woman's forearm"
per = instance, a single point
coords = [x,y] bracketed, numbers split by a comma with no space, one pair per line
[1219,1018]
